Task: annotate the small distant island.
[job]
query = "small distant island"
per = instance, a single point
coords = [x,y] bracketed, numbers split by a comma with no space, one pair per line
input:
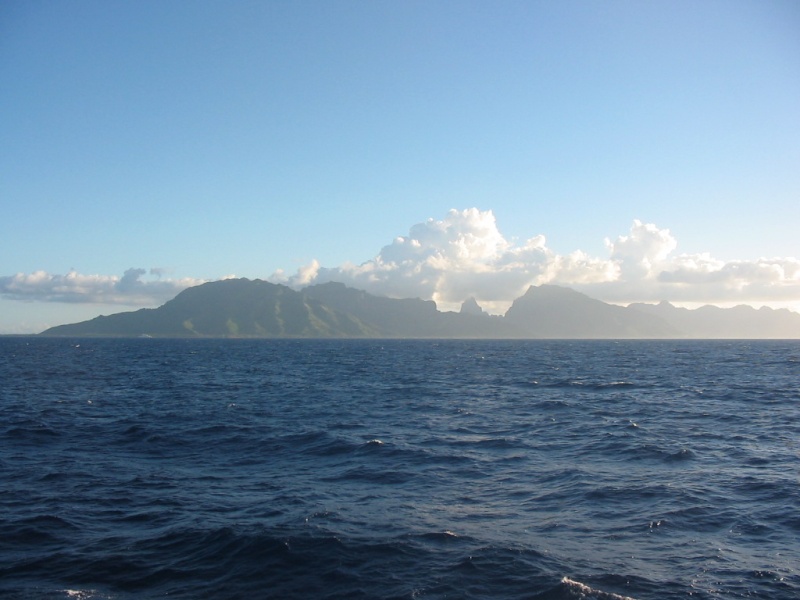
[259,309]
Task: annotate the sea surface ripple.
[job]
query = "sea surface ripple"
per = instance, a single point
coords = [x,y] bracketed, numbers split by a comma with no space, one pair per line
[651,470]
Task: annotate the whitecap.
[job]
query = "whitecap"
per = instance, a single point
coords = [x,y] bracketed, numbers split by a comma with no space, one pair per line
[581,591]
[84,594]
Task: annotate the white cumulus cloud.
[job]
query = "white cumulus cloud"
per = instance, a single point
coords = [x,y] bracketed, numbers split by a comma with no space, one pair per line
[465,255]
[643,251]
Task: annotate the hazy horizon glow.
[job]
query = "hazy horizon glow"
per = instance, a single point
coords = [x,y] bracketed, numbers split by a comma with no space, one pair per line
[632,151]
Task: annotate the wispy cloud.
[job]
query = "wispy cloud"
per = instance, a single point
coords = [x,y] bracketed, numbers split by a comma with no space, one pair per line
[465,255]
[130,289]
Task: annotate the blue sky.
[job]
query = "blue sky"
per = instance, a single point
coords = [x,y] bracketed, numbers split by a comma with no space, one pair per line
[637,151]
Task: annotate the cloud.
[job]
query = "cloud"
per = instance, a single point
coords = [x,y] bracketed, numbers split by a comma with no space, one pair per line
[465,255]
[646,248]
[160,271]
[460,256]
[129,289]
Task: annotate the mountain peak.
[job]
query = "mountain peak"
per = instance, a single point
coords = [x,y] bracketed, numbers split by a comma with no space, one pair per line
[471,307]
[257,308]
[551,311]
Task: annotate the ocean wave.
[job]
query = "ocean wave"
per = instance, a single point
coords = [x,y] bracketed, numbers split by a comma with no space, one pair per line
[569,589]
[308,469]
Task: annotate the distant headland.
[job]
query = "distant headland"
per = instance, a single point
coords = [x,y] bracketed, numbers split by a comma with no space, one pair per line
[259,309]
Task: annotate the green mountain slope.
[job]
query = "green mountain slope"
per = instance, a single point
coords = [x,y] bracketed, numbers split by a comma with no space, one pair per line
[410,317]
[233,307]
[245,308]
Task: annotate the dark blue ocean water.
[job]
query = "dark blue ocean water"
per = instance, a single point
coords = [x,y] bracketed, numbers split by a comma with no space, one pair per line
[147,468]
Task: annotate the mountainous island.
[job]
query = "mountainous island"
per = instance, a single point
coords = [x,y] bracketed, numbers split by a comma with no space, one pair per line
[259,309]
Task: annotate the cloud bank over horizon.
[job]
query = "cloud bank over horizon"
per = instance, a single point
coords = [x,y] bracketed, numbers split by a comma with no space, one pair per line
[128,289]
[465,255]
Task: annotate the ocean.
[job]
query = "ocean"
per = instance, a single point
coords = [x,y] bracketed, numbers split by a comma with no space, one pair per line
[399,469]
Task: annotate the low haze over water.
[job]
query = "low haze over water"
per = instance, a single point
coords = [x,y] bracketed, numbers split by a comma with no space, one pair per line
[145,468]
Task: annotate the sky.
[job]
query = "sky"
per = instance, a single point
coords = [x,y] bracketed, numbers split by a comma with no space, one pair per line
[635,151]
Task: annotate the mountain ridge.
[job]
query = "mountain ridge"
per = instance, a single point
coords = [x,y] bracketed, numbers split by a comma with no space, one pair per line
[260,309]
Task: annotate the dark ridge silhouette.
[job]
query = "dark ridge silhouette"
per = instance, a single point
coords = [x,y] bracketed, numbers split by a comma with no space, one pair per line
[229,308]
[739,322]
[550,311]
[413,318]
[471,307]
[259,309]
